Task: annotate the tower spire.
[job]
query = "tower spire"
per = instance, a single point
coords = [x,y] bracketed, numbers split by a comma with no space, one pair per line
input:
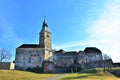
[45,25]
[45,22]
[45,36]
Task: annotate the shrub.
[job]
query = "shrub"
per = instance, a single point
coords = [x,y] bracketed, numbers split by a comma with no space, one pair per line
[36,69]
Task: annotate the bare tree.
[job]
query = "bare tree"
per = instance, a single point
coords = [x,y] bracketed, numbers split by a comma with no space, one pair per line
[4,55]
[107,61]
[105,56]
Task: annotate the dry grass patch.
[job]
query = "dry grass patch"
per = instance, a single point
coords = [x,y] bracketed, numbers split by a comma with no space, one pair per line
[23,75]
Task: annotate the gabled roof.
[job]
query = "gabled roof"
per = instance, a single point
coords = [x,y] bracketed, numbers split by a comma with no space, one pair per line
[71,52]
[92,50]
[116,63]
[62,52]
[30,46]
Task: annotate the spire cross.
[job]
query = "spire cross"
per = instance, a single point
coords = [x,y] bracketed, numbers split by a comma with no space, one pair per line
[44,17]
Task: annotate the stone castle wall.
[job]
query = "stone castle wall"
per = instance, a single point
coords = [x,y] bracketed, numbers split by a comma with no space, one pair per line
[6,65]
[29,58]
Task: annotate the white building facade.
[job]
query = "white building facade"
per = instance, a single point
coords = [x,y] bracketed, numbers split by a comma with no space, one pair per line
[29,56]
[33,55]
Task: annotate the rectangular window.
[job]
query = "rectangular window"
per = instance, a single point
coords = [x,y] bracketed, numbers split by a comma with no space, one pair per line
[40,59]
[29,60]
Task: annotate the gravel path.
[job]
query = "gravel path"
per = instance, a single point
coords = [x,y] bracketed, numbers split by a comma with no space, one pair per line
[55,77]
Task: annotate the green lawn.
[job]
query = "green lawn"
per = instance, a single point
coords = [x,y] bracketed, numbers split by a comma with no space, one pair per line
[117,68]
[91,74]
[23,75]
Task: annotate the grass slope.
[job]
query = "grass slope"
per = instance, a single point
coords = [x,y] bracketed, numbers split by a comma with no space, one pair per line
[116,71]
[23,75]
[90,74]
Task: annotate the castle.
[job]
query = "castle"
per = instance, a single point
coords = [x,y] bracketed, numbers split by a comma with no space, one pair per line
[33,55]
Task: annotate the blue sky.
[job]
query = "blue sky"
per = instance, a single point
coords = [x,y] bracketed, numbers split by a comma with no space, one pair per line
[75,24]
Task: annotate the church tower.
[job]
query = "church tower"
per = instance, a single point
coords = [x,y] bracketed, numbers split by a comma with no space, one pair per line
[45,36]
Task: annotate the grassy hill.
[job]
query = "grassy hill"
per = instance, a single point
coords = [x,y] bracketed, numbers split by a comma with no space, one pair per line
[23,75]
[90,74]
[116,71]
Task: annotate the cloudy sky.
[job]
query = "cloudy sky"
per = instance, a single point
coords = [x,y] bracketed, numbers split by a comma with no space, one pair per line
[75,24]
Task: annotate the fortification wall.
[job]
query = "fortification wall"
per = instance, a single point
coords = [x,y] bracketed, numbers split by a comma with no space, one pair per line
[6,65]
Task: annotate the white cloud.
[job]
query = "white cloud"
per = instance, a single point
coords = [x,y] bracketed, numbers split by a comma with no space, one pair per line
[73,44]
[104,32]
[107,28]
